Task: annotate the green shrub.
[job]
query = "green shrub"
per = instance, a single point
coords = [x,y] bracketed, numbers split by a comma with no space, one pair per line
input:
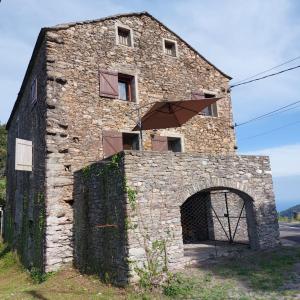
[38,276]
[176,285]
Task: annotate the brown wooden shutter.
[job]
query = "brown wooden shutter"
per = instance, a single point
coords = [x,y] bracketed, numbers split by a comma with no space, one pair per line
[108,84]
[197,95]
[112,142]
[159,143]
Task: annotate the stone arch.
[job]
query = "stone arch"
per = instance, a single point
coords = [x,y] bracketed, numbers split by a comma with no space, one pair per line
[243,191]
[213,184]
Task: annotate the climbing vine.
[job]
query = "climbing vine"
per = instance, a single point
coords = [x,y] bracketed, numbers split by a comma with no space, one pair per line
[154,270]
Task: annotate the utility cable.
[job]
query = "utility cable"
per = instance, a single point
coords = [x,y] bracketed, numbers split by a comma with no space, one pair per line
[269,113]
[270,131]
[264,77]
[263,72]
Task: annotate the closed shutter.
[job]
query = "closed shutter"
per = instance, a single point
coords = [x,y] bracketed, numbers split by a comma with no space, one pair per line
[108,84]
[23,159]
[112,142]
[159,143]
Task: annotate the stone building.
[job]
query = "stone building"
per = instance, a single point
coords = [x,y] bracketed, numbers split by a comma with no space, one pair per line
[70,198]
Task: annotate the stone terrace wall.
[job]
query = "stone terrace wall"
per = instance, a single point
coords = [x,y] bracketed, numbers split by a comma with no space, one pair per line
[100,244]
[163,181]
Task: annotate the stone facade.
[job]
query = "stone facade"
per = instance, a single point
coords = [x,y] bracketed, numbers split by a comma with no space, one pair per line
[68,122]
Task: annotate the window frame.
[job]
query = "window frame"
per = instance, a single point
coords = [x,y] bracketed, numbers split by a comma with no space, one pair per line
[176,135]
[131,90]
[137,134]
[164,40]
[125,28]
[214,110]
[170,138]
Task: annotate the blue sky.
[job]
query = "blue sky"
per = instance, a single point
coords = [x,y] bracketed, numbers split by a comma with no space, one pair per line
[241,38]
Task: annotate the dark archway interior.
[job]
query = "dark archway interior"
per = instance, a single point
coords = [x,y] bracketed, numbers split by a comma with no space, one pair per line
[194,219]
[218,215]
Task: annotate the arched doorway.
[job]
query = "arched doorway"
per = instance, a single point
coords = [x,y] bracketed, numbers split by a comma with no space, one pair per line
[218,215]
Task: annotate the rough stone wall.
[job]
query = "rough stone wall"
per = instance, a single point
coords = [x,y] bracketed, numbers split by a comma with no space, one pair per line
[100,244]
[24,210]
[163,182]
[77,115]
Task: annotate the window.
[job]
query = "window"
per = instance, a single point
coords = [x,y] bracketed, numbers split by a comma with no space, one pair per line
[174,144]
[130,141]
[210,110]
[170,48]
[124,36]
[166,143]
[115,141]
[126,87]
[33,91]
[117,85]
[23,155]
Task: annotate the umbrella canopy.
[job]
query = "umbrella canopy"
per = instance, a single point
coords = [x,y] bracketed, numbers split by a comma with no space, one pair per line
[169,114]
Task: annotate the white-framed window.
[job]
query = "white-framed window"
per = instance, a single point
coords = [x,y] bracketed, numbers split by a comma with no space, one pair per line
[33,91]
[23,155]
[170,47]
[124,35]
[211,110]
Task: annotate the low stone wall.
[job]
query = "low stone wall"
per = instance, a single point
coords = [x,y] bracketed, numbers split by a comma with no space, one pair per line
[164,181]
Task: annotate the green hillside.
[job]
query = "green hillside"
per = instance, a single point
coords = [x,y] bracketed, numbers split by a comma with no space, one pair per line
[289,212]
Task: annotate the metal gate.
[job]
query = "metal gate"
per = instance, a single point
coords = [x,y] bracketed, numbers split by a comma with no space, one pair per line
[231,219]
[200,216]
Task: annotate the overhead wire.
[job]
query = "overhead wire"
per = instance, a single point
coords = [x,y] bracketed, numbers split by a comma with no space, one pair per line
[278,110]
[268,70]
[270,131]
[264,77]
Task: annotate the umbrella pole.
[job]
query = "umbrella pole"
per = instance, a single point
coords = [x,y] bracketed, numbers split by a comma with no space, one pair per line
[140,128]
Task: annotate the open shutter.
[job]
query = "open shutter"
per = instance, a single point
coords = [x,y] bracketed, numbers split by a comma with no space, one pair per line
[197,95]
[108,84]
[23,159]
[159,143]
[112,142]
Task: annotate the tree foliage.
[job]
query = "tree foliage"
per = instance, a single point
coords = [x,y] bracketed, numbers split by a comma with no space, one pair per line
[3,155]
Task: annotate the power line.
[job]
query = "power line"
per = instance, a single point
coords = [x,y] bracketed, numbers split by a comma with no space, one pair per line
[264,77]
[268,70]
[278,110]
[270,131]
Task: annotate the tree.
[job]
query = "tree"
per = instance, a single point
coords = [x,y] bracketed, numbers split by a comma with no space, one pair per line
[3,155]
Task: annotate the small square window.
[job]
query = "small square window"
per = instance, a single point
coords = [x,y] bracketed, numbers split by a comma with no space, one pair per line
[124,36]
[33,91]
[170,48]
[174,144]
[130,141]
[126,87]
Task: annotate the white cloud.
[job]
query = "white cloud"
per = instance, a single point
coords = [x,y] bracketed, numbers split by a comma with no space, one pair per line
[285,160]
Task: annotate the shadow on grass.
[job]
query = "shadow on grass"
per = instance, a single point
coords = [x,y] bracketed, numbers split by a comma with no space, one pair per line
[6,249]
[36,295]
[261,271]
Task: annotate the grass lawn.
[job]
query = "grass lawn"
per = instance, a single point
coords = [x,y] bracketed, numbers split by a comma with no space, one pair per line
[266,275]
